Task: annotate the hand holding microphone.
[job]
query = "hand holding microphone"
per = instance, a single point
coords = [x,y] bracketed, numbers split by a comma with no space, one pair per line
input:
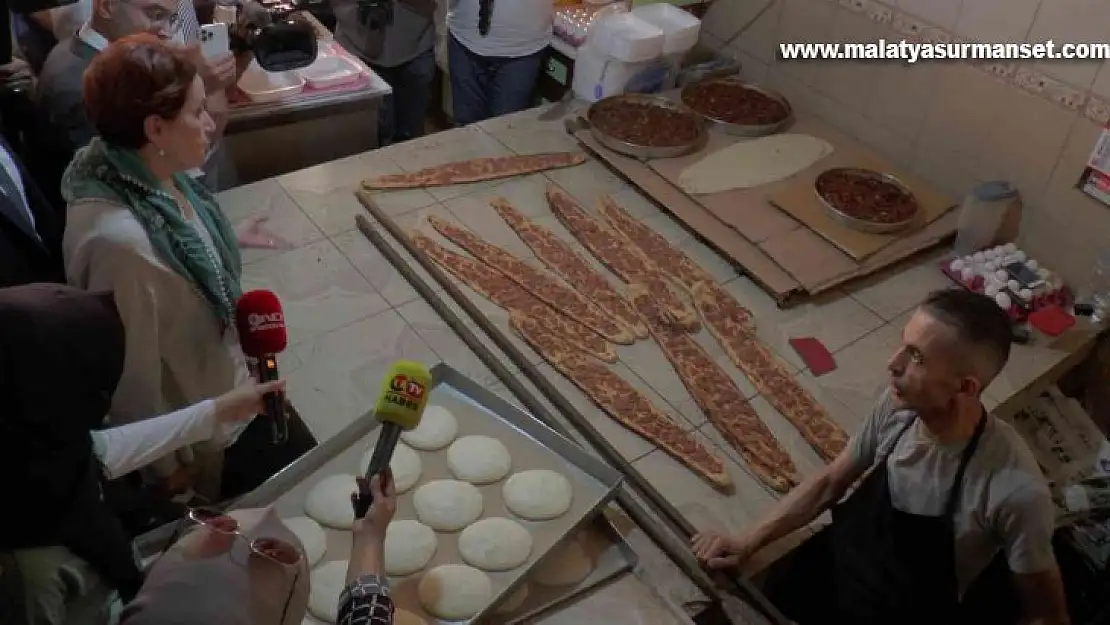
[401,402]
[261,326]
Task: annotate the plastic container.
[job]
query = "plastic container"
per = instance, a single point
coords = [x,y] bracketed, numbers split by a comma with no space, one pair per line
[1097,293]
[680,34]
[625,37]
[597,75]
[262,86]
[680,28]
[988,217]
[330,71]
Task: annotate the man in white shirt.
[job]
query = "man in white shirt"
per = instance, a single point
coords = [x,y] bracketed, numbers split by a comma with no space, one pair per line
[496,50]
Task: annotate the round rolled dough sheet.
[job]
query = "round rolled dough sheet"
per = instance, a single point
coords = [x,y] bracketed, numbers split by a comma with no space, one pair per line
[404,617]
[747,164]
[312,537]
[405,466]
[567,565]
[329,502]
[437,428]
[479,459]
[447,505]
[537,495]
[495,544]
[327,583]
[515,600]
[409,545]
[454,591]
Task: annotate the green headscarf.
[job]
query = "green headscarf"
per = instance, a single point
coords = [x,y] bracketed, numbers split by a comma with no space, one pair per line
[102,172]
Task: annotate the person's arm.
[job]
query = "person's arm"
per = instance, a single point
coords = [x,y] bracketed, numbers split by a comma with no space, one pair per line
[126,448]
[366,599]
[129,447]
[805,502]
[1026,521]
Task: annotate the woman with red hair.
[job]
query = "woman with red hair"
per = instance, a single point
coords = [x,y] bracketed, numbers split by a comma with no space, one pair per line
[140,227]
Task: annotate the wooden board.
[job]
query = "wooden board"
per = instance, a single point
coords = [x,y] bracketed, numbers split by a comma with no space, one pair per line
[788,260]
[799,199]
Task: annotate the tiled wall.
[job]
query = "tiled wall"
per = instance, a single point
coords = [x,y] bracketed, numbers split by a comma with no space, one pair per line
[952,122]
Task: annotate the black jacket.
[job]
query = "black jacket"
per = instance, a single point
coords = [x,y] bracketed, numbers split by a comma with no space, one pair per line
[24,260]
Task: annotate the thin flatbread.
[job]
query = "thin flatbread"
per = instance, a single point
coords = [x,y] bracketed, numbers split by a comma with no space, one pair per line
[475,170]
[621,401]
[495,287]
[747,164]
[546,288]
[561,258]
[668,258]
[626,261]
[717,396]
[725,319]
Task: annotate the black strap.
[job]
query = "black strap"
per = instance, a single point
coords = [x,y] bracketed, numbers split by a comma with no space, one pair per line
[485,16]
[957,485]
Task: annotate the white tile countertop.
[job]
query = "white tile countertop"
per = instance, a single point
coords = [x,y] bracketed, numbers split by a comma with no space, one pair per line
[350,314]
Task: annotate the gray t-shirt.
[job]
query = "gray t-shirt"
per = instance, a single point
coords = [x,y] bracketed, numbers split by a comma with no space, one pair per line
[1004,502]
[411,34]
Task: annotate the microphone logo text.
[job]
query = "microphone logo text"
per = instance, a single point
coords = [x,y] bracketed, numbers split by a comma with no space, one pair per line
[405,391]
[260,322]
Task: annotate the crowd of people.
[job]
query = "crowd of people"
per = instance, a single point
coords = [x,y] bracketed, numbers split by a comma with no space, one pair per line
[128,402]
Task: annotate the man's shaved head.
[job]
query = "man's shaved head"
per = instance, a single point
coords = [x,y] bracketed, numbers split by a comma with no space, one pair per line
[982,331]
[953,346]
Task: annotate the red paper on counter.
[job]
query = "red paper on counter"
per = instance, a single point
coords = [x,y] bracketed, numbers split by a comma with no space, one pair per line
[817,358]
[1052,320]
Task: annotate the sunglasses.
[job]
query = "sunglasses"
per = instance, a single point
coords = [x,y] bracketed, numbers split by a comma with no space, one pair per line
[223,530]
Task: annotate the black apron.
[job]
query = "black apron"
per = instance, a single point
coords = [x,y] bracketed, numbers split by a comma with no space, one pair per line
[876,564]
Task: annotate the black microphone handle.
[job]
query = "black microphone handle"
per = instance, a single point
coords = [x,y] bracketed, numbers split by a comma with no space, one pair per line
[274,403]
[379,461]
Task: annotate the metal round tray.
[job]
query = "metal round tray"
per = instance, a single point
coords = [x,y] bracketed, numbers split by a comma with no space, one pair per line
[742,130]
[863,225]
[645,151]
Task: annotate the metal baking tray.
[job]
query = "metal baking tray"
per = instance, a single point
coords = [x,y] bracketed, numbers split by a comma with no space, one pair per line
[863,225]
[532,445]
[742,130]
[645,152]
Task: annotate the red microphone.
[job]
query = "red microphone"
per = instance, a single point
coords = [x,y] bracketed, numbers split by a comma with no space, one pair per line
[262,336]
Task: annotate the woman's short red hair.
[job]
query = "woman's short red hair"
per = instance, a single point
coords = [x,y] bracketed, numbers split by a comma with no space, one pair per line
[132,79]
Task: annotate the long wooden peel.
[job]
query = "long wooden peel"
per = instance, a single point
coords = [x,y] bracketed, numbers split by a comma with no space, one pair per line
[679,552]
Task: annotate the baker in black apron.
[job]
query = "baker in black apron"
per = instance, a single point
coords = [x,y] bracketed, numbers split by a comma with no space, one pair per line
[889,566]
[877,564]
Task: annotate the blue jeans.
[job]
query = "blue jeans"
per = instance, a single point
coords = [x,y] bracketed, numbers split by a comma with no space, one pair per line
[403,112]
[488,86]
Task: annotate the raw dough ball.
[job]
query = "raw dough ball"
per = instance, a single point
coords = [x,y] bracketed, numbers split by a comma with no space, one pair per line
[454,592]
[1032,265]
[537,495]
[447,505]
[514,601]
[409,545]
[403,617]
[478,459]
[1003,301]
[438,427]
[495,544]
[405,465]
[329,501]
[326,584]
[1010,248]
[957,265]
[312,537]
[565,566]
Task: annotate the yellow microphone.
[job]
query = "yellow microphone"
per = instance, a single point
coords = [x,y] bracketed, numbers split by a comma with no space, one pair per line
[401,401]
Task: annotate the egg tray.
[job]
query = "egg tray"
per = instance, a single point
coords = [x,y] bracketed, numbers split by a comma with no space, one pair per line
[1019,310]
[531,444]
